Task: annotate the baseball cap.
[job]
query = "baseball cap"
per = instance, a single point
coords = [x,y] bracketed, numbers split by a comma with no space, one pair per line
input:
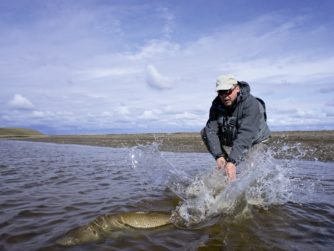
[225,82]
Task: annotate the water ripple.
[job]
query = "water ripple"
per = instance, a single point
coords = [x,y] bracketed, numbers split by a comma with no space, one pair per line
[47,189]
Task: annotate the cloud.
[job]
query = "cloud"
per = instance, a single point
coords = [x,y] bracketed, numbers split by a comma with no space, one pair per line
[38,114]
[330,114]
[21,103]
[106,72]
[122,110]
[330,103]
[327,89]
[98,59]
[169,22]
[148,115]
[155,80]
[154,49]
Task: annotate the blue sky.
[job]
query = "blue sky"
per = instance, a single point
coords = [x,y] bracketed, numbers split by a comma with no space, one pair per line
[70,67]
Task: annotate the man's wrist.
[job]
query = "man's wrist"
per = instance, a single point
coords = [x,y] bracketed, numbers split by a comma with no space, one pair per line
[233,161]
[220,156]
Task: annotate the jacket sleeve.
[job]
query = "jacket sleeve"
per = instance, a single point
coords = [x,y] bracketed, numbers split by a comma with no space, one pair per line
[212,134]
[248,128]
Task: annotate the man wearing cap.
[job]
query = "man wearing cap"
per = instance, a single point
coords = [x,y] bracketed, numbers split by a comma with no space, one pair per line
[237,120]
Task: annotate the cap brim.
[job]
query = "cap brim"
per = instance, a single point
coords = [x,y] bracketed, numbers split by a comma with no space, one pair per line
[224,87]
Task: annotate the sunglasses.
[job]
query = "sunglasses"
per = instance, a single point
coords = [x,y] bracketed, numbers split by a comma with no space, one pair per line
[226,92]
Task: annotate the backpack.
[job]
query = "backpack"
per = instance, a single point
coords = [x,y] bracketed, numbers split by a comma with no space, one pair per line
[263,106]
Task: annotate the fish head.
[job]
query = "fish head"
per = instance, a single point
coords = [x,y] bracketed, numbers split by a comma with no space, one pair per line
[81,235]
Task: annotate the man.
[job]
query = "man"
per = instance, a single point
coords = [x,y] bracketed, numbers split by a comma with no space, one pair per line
[238,120]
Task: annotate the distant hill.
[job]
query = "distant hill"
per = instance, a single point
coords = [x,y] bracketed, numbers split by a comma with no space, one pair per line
[18,132]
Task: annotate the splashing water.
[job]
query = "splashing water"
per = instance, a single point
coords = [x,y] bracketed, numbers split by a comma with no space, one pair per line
[262,181]
[149,160]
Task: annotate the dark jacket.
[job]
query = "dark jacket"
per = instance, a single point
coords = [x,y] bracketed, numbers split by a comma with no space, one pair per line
[240,126]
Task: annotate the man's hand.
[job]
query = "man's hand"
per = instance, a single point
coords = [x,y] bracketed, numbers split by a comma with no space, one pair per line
[229,167]
[221,162]
[231,171]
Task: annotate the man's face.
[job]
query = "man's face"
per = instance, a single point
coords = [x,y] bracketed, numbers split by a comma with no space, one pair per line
[228,97]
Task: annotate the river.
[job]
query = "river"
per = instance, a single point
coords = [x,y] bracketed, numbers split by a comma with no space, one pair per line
[275,204]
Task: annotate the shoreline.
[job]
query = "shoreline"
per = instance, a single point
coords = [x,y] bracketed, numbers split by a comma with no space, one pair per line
[307,145]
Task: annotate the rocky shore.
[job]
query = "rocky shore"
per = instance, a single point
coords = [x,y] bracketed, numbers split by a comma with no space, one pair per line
[308,145]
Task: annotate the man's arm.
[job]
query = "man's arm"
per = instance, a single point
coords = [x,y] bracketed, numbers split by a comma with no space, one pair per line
[211,134]
[249,126]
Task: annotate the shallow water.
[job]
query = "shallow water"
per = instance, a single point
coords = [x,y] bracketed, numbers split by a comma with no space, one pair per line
[48,189]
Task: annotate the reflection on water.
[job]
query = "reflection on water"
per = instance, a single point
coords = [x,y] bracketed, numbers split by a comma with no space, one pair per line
[48,189]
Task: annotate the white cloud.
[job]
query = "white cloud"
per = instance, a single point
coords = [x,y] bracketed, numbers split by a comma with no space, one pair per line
[38,114]
[155,80]
[285,69]
[106,72]
[169,22]
[148,115]
[97,63]
[19,102]
[155,49]
[122,110]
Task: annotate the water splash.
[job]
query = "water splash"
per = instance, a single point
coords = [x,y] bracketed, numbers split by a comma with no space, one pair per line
[149,160]
[263,181]
[200,198]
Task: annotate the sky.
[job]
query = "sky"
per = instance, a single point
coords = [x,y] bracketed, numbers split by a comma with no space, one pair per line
[109,66]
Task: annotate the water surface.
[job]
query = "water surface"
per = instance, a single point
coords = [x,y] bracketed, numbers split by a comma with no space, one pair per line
[48,189]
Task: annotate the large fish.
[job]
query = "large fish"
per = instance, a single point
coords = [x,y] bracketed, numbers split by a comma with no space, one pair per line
[104,225]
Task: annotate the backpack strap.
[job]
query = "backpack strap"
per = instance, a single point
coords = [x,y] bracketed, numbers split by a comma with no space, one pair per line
[264,107]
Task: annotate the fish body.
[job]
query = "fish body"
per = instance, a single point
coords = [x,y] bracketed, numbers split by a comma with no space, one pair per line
[103,225]
[144,220]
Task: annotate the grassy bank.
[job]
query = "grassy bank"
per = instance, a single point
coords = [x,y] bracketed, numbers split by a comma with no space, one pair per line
[18,132]
[309,145]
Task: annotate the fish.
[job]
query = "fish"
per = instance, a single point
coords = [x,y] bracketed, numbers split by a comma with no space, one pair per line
[104,225]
